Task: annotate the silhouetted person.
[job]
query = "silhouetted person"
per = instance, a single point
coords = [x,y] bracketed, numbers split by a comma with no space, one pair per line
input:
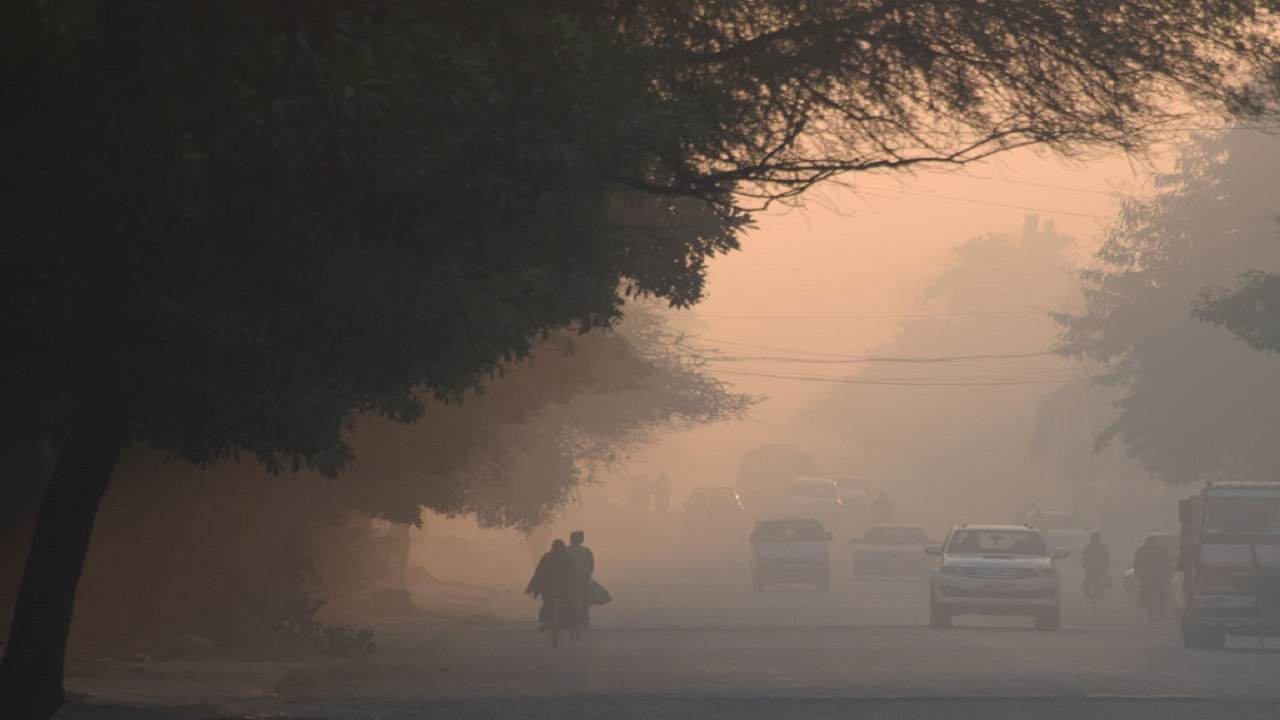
[1096,560]
[1154,569]
[881,509]
[584,566]
[661,493]
[553,582]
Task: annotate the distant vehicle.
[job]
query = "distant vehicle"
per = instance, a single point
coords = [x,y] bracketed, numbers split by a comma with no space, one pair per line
[765,470]
[714,503]
[856,502]
[1129,581]
[1230,559]
[995,570]
[790,550]
[815,496]
[891,550]
[1060,529]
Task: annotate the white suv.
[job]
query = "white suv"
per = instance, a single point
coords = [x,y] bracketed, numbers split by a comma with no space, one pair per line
[995,570]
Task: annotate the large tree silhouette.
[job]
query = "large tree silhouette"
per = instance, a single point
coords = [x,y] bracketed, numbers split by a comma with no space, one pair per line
[1192,402]
[231,225]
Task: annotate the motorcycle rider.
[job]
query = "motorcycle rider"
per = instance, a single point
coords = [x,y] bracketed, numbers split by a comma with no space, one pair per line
[1096,559]
[1154,570]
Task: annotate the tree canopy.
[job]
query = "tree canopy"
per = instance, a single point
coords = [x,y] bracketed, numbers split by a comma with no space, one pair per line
[292,212]
[1194,403]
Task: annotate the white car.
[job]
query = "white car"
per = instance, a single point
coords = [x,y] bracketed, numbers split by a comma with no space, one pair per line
[891,550]
[995,570]
[790,550]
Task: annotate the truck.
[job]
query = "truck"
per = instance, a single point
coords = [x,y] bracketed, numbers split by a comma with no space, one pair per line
[1229,554]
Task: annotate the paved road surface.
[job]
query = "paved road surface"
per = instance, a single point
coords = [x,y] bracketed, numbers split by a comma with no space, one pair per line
[662,651]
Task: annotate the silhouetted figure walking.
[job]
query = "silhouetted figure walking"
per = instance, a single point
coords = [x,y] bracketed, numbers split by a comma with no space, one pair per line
[553,583]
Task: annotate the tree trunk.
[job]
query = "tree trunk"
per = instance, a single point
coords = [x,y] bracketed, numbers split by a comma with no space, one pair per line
[32,670]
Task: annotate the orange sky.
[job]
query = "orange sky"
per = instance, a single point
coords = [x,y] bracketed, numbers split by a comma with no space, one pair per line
[870,251]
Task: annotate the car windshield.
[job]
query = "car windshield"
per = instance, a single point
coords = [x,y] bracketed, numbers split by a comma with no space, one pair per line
[813,489]
[998,542]
[790,531]
[1242,513]
[895,536]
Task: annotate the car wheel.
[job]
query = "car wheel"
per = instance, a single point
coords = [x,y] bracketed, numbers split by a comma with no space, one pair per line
[938,617]
[1049,619]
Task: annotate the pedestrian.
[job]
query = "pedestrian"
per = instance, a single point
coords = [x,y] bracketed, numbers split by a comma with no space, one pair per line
[553,583]
[584,567]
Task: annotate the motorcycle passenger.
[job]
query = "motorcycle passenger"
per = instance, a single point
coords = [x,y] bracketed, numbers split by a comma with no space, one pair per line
[1096,559]
[553,582]
[1154,570]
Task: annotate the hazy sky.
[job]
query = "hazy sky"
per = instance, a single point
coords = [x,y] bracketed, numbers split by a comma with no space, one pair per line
[805,274]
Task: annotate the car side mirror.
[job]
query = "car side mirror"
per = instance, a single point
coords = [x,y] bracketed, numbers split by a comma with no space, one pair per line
[829,536]
[1060,553]
[935,550]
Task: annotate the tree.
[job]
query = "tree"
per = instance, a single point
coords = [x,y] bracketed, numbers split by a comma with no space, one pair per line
[249,561]
[236,224]
[1251,310]
[1194,404]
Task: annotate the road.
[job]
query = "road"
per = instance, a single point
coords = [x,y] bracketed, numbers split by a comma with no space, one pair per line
[663,651]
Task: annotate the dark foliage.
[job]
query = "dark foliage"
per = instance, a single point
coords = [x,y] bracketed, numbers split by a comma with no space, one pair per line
[233,226]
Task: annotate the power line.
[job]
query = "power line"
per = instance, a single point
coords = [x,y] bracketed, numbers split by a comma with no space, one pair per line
[855,381]
[852,360]
[768,347]
[885,359]
[963,378]
[900,316]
